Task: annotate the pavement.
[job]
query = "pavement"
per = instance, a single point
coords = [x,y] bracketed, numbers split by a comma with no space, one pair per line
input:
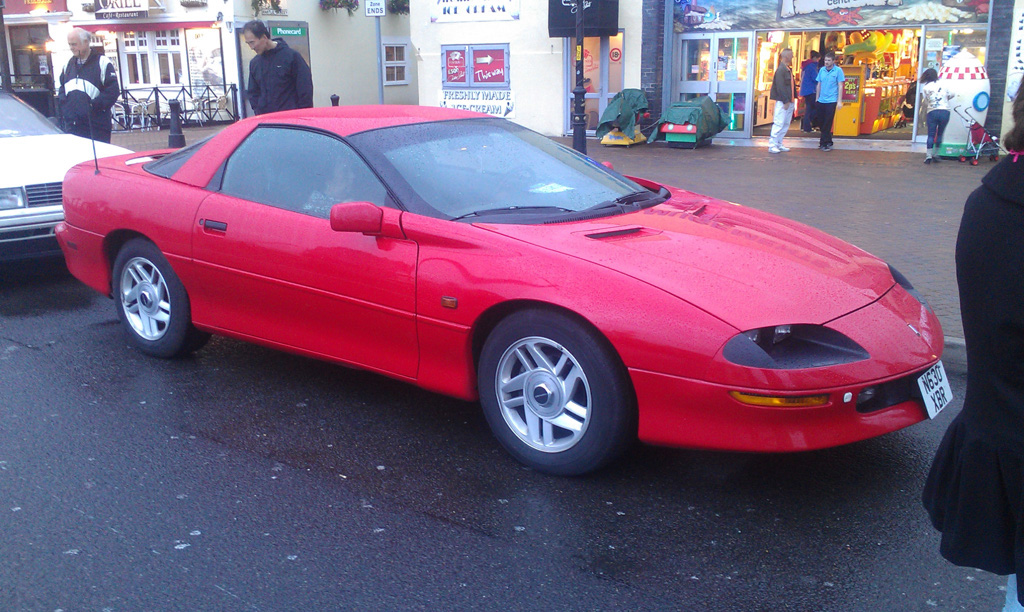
[875,194]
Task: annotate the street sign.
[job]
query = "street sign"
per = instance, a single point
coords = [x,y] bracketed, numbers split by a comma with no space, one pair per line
[375,8]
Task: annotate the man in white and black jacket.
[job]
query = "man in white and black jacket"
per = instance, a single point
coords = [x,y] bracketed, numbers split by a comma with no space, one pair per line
[88,89]
[279,79]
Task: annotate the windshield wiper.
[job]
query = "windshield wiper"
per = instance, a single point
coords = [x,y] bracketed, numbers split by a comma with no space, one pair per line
[509,209]
[628,202]
[636,196]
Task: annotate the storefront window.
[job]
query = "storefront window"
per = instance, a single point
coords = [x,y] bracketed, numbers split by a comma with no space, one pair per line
[31,61]
[159,53]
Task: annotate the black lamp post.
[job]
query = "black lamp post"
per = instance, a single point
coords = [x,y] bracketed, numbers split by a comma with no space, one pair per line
[5,67]
[579,122]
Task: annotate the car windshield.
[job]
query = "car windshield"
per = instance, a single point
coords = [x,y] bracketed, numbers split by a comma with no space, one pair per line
[491,167]
[20,119]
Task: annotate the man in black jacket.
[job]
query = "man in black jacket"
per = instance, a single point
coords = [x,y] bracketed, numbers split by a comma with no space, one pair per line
[279,79]
[88,89]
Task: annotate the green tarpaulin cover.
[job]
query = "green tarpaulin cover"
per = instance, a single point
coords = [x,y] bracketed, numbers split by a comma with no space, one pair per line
[701,112]
[622,110]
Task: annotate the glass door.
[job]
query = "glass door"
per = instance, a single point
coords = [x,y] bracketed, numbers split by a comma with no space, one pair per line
[717,65]
[602,76]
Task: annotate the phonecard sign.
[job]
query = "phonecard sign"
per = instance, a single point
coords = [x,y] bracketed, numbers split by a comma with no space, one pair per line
[455,66]
[489,66]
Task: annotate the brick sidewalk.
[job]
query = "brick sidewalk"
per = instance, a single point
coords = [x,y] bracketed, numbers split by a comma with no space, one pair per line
[888,203]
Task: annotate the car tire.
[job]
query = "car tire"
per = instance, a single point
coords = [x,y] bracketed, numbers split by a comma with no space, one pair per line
[152,303]
[555,394]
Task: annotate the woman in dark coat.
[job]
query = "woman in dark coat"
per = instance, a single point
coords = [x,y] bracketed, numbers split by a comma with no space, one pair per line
[975,491]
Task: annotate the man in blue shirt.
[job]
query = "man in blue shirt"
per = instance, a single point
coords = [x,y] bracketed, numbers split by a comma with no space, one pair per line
[808,87]
[829,97]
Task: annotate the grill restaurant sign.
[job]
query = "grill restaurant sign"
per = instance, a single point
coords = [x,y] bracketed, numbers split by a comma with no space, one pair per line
[122,9]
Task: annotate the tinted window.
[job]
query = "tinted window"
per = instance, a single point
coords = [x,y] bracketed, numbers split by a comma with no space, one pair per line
[299,170]
[167,165]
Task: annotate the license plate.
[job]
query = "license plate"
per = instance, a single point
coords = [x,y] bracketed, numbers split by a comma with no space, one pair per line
[935,389]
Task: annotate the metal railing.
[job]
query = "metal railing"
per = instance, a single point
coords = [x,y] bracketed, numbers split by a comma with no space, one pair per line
[148,108]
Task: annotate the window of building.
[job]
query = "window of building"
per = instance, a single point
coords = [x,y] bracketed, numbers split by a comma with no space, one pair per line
[395,64]
[475,66]
[153,58]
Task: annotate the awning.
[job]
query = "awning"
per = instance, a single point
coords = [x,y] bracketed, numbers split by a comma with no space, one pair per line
[121,26]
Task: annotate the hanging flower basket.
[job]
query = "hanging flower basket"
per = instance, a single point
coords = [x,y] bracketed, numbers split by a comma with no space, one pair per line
[89,7]
[348,5]
[193,3]
[398,7]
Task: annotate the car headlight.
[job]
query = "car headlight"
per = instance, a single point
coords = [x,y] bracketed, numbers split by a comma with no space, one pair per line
[791,347]
[903,282]
[12,197]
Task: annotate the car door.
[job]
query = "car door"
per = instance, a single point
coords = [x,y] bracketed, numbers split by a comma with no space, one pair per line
[273,270]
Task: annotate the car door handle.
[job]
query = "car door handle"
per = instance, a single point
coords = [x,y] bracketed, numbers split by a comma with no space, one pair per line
[210,224]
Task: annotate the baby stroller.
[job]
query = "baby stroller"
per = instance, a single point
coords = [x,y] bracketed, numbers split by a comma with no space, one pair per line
[980,142]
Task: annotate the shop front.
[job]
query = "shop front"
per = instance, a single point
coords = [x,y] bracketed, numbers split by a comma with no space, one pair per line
[27,24]
[730,51]
[161,61]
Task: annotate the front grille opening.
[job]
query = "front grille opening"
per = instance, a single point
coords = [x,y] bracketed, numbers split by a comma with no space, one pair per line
[879,397]
[42,232]
[43,194]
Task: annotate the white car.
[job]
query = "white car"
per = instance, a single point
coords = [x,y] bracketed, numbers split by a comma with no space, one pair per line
[36,157]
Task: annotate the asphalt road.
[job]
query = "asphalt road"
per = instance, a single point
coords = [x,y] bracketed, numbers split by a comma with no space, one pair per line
[248,479]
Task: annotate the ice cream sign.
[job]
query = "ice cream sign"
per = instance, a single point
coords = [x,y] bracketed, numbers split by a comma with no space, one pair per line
[839,11]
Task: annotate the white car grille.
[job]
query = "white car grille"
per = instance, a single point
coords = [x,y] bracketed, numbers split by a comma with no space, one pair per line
[43,194]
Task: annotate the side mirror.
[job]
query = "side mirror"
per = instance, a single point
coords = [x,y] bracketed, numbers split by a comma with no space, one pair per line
[608,165]
[364,217]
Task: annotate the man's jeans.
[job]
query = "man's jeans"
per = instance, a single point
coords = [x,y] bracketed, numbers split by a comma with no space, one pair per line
[783,117]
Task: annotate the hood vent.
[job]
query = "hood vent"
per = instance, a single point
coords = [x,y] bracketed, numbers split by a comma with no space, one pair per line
[616,233]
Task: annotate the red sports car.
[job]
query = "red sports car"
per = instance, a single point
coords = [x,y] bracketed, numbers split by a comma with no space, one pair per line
[475,258]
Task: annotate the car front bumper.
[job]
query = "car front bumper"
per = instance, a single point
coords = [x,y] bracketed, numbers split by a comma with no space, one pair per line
[29,233]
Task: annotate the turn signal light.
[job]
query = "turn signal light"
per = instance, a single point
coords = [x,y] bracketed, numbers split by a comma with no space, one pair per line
[775,401]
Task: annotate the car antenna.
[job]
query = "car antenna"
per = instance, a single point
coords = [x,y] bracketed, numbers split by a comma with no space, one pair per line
[95,160]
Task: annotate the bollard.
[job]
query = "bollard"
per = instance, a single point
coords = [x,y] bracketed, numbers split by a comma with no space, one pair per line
[335,98]
[176,139]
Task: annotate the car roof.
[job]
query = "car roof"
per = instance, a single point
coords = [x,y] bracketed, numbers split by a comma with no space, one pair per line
[347,120]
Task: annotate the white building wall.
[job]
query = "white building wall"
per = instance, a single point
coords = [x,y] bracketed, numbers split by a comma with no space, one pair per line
[537,63]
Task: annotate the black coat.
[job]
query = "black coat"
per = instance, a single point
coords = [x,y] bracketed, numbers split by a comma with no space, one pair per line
[87,92]
[279,79]
[974,491]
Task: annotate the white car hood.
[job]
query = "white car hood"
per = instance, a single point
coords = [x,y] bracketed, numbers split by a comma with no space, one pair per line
[29,160]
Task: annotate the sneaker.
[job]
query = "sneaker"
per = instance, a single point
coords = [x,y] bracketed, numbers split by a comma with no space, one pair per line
[928,160]
[774,150]
[826,148]
[783,149]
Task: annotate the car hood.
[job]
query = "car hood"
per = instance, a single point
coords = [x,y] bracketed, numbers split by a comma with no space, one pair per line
[29,160]
[749,268]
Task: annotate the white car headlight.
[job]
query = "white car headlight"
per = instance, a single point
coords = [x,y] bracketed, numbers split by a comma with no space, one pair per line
[12,197]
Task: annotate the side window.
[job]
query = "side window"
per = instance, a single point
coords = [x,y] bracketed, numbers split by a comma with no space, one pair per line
[299,170]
